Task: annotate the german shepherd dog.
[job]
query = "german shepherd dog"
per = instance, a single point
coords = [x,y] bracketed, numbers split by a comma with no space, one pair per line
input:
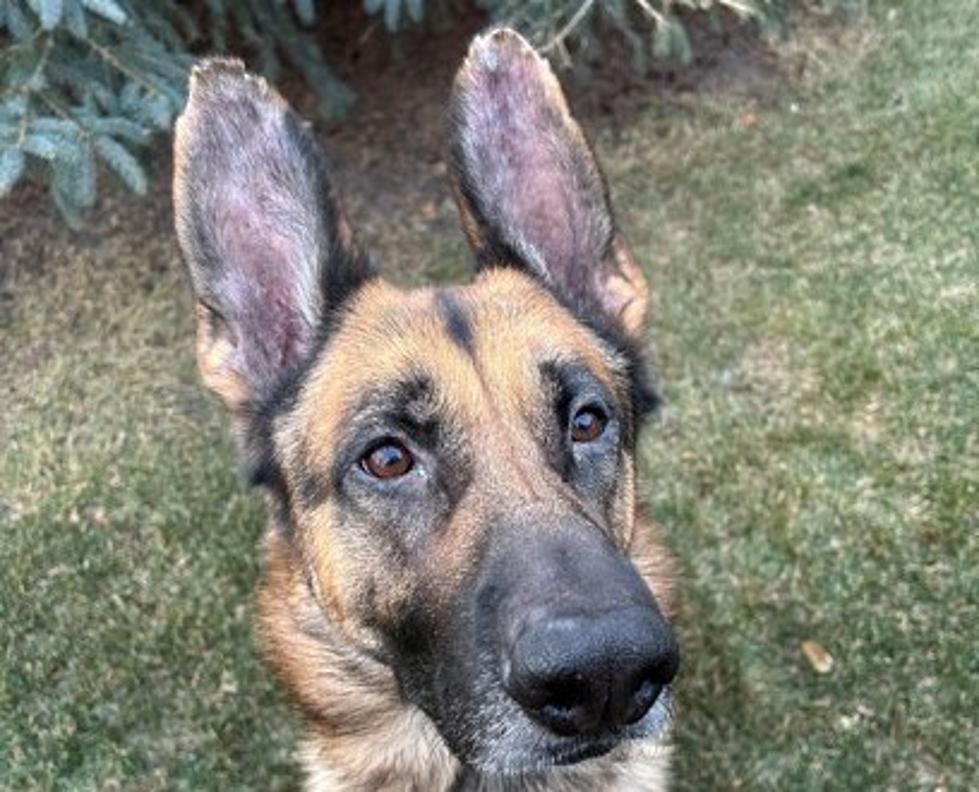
[459,590]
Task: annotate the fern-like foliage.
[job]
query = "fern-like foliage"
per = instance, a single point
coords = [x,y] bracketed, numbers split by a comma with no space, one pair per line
[88,79]
[650,28]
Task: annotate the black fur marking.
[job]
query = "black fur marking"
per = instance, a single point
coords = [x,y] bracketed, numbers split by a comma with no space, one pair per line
[456,321]
[567,380]
[312,487]
[643,396]
[592,469]
[403,406]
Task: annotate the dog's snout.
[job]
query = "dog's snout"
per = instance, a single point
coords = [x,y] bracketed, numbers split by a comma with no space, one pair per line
[591,673]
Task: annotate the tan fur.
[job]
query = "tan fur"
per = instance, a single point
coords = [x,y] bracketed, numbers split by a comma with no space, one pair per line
[213,362]
[629,294]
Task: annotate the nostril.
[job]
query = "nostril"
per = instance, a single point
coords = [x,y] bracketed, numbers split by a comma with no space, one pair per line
[643,698]
[564,721]
[567,706]
[564,693]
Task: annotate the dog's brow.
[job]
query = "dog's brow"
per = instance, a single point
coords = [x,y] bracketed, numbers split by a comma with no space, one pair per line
[571,376]
[405,400]
[456,320]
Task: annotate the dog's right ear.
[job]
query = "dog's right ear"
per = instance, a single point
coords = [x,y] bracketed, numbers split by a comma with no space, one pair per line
[269,251]
[530,189]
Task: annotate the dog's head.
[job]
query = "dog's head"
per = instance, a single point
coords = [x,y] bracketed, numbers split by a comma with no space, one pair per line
[452,469]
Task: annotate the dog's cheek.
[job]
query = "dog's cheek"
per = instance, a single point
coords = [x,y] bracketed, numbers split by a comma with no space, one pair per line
[366,560]
[607,482]
[400,582]
[438,665]
[622,502]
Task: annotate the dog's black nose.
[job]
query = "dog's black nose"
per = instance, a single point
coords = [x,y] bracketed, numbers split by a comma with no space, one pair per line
[587,674]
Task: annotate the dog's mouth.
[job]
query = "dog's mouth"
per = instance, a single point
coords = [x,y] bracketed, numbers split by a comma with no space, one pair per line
[540,753]
[574,754]
[653,726]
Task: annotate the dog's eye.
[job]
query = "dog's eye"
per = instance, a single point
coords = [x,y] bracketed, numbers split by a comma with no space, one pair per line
[387,460]
[588,424]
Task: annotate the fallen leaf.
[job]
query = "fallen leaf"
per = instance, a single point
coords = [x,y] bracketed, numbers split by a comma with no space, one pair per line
[820,660]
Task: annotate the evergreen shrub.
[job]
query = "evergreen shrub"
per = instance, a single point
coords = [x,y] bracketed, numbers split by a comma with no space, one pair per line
[88,79]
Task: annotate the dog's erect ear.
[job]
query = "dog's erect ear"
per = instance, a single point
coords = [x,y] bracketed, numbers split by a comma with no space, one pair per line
[269,251]
[528,186]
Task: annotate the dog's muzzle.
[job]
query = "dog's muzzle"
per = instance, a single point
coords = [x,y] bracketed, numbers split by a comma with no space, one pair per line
[583,648]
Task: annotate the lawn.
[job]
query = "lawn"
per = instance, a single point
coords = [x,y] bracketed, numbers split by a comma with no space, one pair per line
[814,260]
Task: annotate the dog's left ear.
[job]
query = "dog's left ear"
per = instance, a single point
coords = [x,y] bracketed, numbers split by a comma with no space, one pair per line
[529,188]
[270,253]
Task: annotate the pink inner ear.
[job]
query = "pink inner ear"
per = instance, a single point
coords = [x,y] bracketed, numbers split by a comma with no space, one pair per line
[536,180]
[260,285]
[523,168]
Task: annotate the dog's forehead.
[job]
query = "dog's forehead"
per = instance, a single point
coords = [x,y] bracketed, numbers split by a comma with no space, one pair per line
[477,343]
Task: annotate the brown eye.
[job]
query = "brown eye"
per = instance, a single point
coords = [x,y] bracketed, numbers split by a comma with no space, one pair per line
[588,424]
[388,460]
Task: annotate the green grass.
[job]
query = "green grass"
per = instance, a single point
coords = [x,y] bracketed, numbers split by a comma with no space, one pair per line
[816,322]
